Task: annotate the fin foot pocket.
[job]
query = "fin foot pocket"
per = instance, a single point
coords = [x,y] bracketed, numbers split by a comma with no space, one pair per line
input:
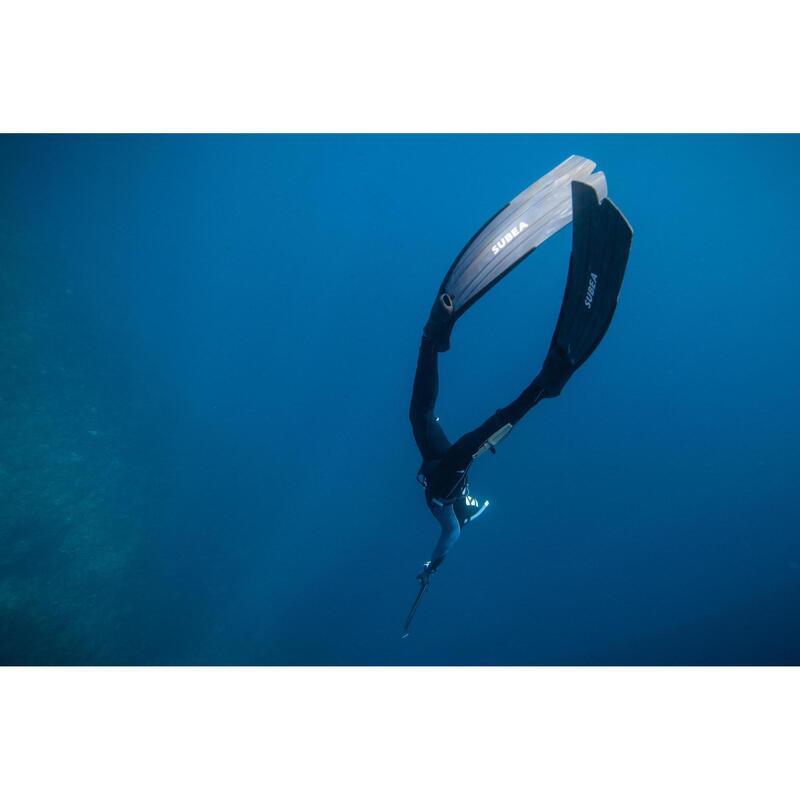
[440,323]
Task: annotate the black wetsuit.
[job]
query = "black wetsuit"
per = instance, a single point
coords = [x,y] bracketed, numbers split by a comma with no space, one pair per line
[444,465]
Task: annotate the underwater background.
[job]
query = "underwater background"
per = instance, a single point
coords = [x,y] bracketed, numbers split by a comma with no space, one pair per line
[208,345]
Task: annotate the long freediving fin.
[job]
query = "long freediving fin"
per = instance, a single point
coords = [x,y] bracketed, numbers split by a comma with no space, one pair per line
[414,607]
[601,243]
[515,231]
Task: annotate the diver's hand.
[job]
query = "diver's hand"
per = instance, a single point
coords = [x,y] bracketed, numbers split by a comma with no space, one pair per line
[425,576]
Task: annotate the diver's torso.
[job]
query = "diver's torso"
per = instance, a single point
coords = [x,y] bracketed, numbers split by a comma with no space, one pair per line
[443,483]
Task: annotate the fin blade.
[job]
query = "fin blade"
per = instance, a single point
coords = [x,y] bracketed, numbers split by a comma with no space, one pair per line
[601,244]
[532,217]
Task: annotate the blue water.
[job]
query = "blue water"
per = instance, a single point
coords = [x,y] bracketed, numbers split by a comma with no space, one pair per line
[208,345]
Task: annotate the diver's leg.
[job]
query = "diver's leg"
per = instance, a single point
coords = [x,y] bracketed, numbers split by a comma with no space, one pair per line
[428,433]
[460,455]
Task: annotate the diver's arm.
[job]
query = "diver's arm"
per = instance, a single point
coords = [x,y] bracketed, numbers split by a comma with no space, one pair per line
[451,530]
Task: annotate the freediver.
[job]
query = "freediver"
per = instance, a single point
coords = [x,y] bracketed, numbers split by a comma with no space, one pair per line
[600,246]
